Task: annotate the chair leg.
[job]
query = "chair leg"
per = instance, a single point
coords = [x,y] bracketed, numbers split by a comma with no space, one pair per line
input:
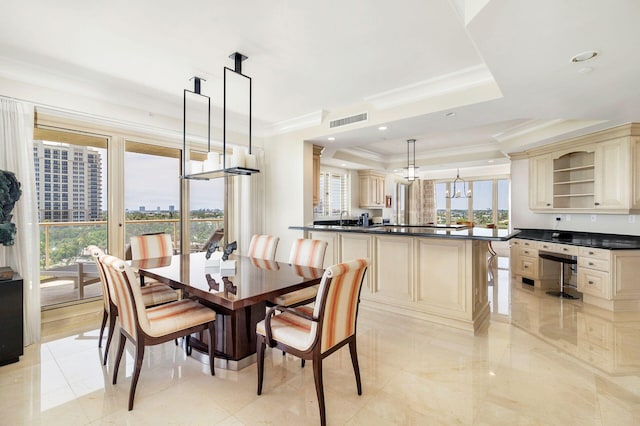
[260,354]
[105,314]
[188,348]
[302,362]
[119,357]
[356,367]
[112,326]
[317,375]
[212,346]
[136,372]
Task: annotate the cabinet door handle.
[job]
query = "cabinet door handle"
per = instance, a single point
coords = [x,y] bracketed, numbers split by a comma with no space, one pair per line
[590,282]
[591,253]
[597,204]
[526,267]
[590,263]
[565,249]
[548,204]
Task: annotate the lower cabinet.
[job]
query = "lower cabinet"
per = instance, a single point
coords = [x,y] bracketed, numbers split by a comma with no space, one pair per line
[11,340]
[437,279]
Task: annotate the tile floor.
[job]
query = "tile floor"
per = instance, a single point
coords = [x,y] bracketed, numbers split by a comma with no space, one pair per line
[541,361]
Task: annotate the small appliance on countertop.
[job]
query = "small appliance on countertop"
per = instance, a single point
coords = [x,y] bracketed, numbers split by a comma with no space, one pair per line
[364,219]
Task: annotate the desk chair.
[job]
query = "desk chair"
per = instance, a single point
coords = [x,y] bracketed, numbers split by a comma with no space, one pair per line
[152,326]
[314,336]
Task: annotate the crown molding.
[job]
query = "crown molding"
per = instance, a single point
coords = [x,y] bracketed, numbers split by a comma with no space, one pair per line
[467,78]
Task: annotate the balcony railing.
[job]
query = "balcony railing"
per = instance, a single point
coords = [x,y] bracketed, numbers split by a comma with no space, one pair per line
[201,229]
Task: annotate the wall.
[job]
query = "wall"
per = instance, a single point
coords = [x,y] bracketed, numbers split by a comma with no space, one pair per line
[522,217]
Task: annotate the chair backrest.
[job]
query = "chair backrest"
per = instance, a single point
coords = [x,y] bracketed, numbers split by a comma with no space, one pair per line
[263,247]
[337,301]
[96,252]
[305,252]
[149,246]
[131,308]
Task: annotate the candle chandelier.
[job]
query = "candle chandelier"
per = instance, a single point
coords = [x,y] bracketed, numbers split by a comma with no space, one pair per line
[411,171]
[459,189]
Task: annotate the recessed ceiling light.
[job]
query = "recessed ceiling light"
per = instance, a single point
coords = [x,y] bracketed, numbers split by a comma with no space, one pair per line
[489,161]
[450,114]
[382,128]
[584,56]
[331,138]
[343,165]
[585,70]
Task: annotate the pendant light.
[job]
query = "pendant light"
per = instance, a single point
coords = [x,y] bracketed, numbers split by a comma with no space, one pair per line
[458,183]
[411,171]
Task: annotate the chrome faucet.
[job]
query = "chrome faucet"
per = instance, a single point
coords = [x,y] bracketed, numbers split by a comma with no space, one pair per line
[341,213]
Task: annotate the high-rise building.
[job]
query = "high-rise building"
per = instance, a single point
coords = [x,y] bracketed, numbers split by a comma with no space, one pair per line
[68,182]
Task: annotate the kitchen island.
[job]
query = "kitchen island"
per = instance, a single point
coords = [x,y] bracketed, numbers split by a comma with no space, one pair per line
[433,273]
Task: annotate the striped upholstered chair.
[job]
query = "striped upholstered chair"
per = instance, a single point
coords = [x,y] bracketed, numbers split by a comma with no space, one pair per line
[304,252]
[152,295]
[149,246]
[152,326]
[316,333]
[263,247]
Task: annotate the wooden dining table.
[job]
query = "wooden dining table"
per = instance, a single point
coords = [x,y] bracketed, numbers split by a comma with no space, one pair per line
[237,295]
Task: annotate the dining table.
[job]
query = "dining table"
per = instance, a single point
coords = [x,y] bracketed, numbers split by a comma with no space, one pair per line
[238,294]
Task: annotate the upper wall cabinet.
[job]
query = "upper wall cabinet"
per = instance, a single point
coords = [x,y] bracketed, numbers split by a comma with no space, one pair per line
[371,189]
[597,173]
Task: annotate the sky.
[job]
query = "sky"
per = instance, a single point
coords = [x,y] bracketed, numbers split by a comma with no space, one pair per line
[151,181]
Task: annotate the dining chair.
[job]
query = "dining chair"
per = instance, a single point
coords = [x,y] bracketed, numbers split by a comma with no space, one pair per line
[304,252]
[152,326]
[152,295]
[316,334]
[263,247]
[148,246]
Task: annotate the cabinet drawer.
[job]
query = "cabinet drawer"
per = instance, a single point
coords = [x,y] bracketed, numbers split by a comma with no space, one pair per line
[595,253]
[527,251]
[524,243]
[595,283]
[591,263]
[567,249]
[546,246]
[528,266]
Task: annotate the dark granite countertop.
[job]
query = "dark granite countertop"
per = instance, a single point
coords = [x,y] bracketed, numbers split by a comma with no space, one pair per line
[430,231]
[585,239]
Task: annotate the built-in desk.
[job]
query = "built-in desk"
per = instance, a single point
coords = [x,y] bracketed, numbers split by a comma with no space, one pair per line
[608,266]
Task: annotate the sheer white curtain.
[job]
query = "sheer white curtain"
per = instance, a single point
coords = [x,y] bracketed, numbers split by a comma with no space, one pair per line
[16,155]
[246,205]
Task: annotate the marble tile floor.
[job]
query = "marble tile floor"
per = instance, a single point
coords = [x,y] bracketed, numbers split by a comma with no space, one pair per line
[543,361]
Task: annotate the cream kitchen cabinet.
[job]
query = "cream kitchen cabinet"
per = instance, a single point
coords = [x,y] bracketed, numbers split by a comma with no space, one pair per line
[372,194]
[613,168]
[541,182]
[598,173]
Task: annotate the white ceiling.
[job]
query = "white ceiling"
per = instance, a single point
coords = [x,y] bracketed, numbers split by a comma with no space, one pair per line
[503,67]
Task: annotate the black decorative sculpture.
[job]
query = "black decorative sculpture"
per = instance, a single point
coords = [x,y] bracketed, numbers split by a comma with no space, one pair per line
[213,243]
[229,249]
[9,193]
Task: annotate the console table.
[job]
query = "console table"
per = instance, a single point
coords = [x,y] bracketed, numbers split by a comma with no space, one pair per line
[11,340]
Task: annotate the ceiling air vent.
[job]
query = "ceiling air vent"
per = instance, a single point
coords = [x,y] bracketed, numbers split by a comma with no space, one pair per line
[348,120]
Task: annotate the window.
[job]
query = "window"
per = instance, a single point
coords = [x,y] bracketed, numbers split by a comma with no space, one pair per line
[334,193]
[489,204]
